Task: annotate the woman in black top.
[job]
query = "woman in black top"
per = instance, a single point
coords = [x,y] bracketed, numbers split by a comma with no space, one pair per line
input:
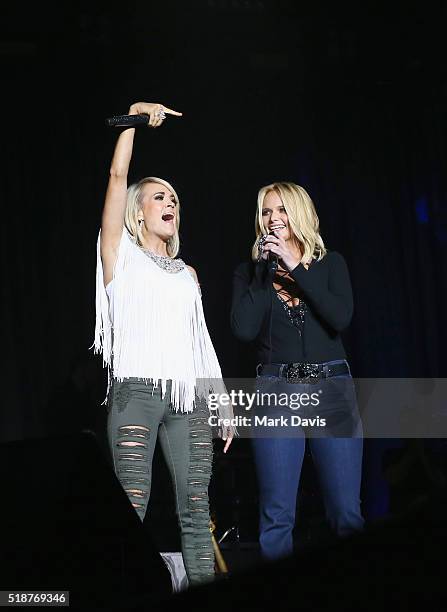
[294,299]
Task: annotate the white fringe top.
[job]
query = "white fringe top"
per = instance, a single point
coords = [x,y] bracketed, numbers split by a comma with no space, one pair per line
[151,325]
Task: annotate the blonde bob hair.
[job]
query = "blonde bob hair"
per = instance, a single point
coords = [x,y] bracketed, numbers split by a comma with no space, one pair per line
[133,206]
[303,219]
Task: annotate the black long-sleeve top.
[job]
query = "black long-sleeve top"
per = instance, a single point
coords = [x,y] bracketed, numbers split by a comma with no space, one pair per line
[257,313]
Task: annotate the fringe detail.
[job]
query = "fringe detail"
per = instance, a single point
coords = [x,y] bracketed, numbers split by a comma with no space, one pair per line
[103,324]
[159,331]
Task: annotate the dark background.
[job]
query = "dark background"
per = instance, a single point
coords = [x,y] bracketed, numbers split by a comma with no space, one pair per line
[348,100]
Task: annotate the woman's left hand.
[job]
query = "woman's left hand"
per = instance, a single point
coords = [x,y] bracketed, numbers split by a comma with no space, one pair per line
[228,441]
[277,245]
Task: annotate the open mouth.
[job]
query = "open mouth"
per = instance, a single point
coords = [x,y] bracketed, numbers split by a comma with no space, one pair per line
[278,226]
[167,217]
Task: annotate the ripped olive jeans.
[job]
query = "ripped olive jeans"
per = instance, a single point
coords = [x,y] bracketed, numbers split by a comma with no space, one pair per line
[137,416]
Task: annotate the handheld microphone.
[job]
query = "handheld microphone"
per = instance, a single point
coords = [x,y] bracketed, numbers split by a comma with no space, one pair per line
[273,258]
[127,121]
[273,262]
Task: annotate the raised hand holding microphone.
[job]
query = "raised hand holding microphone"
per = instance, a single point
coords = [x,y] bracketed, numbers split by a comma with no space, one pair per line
[157,112]
[142,113]
[266,255]
[275,245]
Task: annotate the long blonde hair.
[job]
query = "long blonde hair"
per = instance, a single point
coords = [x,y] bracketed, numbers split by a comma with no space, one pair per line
[133,206]
[303,219]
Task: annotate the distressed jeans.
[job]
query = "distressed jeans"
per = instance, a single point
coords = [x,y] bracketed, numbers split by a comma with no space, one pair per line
[137,416]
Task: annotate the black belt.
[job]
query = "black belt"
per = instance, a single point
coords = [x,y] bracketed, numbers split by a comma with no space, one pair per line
[302,372]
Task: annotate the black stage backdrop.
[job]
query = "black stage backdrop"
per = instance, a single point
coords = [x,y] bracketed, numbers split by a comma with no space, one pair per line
[348,101]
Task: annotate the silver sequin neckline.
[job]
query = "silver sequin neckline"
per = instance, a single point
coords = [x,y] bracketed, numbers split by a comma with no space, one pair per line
[296,313]
[168,264]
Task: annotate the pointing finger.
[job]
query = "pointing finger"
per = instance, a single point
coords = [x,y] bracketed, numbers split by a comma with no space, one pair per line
[169,111]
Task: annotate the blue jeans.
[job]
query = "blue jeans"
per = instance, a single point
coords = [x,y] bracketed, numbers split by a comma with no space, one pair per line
[279,458]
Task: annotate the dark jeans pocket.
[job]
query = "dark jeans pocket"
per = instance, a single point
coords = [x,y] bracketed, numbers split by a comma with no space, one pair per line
[338,406]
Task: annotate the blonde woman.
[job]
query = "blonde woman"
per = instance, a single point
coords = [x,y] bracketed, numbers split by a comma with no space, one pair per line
[151,330]
[293,299]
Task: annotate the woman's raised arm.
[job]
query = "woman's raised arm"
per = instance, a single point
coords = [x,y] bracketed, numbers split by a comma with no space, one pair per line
[115,201]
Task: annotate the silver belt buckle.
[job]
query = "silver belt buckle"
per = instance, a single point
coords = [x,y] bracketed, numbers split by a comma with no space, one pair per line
[302,373]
